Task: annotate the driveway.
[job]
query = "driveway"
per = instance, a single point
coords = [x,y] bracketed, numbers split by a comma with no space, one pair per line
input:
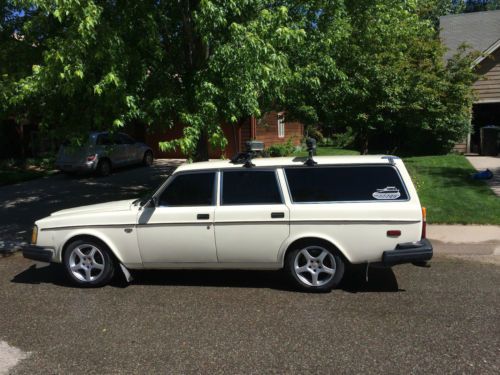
[437,320]
[21,204]
[492,163]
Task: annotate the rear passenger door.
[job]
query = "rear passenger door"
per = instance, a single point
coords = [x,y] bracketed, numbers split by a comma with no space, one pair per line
[251,221]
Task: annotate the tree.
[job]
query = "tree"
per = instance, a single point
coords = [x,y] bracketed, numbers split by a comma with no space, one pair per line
[196,62]
[375,67]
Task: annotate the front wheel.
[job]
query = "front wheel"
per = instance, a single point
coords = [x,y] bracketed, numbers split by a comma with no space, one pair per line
[315,268]
[147,160]
[88,263]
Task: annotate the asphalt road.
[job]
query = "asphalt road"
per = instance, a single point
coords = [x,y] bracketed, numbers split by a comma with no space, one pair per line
[443,319]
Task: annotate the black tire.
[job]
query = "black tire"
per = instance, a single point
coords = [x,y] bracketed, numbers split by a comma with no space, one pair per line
[103,168]
[147,160]
[81,263]
[321,272]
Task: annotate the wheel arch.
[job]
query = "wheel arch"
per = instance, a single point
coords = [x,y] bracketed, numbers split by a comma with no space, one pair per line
[93,236]
[312,238]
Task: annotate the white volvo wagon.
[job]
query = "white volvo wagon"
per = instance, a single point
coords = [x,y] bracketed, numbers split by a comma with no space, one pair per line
[311,218]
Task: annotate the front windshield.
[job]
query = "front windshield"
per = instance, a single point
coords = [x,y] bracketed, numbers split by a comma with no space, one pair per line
[147,195]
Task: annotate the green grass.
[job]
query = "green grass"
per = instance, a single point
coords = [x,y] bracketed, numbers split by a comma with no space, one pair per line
[450,195]
[444,186]
[327,151]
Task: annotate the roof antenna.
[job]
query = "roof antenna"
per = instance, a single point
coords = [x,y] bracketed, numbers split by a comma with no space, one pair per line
[311,150]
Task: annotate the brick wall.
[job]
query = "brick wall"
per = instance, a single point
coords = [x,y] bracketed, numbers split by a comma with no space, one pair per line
[267,130]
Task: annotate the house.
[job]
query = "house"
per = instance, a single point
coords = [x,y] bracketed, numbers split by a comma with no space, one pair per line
[481,32]
[272,128]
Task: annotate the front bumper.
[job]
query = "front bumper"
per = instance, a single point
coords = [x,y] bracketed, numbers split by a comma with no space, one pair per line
[411,252]
[39,253]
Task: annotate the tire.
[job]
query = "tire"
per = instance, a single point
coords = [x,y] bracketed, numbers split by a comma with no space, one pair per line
[88,263]
[103,168]
[147,160]
[314,267]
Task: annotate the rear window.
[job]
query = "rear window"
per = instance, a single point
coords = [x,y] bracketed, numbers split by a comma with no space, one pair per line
[250,187]
[345,184]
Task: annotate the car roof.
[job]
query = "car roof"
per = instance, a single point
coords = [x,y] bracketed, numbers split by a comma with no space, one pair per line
[290,161]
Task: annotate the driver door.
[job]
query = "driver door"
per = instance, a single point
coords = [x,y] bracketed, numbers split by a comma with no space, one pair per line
[179,229]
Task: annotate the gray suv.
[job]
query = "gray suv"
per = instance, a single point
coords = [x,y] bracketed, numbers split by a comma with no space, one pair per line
[103,152]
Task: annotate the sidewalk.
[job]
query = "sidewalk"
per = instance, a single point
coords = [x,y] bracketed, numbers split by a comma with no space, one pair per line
[480,163]
[475,242]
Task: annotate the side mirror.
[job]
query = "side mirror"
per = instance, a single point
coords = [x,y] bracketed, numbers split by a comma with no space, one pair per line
[150,203]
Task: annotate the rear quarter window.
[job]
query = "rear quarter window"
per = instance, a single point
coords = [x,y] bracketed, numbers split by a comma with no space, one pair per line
[345,184]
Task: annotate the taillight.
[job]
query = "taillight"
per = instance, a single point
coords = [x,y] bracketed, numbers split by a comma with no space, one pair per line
[91,157]
[34,235]
[424,222]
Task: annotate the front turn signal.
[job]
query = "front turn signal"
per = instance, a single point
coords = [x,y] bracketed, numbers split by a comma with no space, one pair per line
[34,235]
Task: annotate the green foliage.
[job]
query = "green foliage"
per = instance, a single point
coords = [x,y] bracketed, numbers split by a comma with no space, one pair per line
[375,67]
[281,149]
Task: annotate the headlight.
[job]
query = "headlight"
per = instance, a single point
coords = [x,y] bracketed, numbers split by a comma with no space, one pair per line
[34,235]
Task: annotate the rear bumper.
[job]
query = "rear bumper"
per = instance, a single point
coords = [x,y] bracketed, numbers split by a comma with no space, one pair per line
[38,253]
[411,252]
[76,167]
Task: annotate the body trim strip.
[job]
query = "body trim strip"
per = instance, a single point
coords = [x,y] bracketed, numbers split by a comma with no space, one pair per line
[237,222]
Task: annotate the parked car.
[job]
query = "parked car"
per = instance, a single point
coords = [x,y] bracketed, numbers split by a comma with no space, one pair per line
[311,218]
[102,153]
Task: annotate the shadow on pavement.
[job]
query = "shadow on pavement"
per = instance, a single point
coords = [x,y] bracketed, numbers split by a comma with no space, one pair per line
[380,280]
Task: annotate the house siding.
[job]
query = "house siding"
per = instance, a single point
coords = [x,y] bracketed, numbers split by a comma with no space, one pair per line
[267,130]
[487,88]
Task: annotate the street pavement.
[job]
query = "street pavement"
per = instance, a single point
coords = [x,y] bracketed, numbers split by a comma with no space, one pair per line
[442,319]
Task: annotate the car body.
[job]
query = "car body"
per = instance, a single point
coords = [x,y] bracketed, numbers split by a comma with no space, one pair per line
[102,152]
[225,215]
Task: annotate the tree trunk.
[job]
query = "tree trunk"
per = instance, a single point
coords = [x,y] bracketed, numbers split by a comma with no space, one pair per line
[201,153]
[363,141]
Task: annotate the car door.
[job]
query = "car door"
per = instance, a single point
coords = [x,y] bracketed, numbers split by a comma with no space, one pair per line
[179,229]
[130,149]
[252,221]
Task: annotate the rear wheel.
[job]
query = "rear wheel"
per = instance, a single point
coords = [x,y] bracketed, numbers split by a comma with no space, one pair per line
[103,167]
[315,267]
[88,263]
[147,160]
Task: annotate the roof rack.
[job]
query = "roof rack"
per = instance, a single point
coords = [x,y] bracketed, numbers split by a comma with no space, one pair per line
[390,158]
[311,150]
[253,148]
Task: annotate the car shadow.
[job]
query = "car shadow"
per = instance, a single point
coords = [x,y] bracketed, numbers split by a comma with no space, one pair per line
[380,280]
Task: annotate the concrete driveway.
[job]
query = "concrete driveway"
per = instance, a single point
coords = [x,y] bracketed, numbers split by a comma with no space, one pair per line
[21,204]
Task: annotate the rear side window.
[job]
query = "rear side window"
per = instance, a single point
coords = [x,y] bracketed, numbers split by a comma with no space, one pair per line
[345,183]
[194,189]
[250,187]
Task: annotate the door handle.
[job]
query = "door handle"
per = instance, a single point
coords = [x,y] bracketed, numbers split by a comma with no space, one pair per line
[203,216]
[277,215]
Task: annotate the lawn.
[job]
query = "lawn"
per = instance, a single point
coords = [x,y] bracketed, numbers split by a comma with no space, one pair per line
[450,195]
[325,151]
[444,186]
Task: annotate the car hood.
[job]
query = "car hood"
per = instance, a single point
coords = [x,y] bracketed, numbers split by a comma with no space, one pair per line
[101,207]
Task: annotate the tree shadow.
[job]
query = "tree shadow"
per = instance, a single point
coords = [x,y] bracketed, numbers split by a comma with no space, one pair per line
[380,280]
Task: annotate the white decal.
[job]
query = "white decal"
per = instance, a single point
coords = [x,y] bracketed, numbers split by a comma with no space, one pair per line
[390,192]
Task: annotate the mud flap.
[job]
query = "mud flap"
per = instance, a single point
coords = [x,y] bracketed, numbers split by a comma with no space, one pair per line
[126,273]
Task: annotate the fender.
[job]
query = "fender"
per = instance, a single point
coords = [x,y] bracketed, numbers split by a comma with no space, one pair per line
[321,236]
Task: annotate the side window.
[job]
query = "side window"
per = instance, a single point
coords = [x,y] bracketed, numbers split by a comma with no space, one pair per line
[345,183]
[193,189]
[103,140]
[125,139]
[250,187]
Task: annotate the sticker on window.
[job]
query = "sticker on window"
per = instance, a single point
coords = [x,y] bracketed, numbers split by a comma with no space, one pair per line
[389,192]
